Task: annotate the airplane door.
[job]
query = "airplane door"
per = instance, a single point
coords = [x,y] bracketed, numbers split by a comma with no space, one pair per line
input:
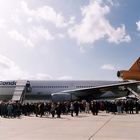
[28,87]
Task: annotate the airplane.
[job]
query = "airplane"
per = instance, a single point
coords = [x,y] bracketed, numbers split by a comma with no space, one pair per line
[57,90]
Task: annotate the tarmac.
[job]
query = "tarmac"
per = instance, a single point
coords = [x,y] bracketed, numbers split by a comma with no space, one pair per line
[84,127]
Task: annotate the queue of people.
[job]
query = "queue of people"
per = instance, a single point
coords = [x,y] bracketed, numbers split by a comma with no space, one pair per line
[16,109]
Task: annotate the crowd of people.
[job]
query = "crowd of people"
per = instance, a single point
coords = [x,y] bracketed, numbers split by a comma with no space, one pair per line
[16,109]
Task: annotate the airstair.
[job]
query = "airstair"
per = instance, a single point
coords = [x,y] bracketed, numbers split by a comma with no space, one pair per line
[20,90]
[134,93]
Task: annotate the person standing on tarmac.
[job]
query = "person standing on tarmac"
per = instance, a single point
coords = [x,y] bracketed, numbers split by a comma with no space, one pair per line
[94,107]
[41,109]
[76,108]
[53,110]
[71,108]
[9,110]
[137,107]
[58,110]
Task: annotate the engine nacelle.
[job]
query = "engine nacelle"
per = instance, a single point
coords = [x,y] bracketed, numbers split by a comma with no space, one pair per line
[133,73]
[129,75]
[120,74]
[61,97]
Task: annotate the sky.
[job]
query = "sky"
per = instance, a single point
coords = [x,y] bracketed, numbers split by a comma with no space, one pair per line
[68,39]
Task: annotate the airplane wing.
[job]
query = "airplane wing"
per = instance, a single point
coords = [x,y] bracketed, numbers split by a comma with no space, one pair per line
[97,91]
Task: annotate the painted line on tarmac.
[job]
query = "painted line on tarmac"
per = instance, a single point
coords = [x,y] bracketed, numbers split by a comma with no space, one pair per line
[91,137]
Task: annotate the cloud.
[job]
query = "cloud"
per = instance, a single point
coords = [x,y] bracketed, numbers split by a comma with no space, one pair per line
[42,76]
[45,13]
[60,35]
[9,70]
[65,78]
[38,33]
[138,25]
[110,2]
[113,3]
[34,25]
[119,35]
[33,36]
[108,67]
[5,63]
[2,24]
[95,26]
[14,34]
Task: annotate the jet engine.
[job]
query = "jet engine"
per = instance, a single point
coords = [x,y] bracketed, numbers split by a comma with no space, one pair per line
[61,97]
[133,73]
[129,75]
[120,74]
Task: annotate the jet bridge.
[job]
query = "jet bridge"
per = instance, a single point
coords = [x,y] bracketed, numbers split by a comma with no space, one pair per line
[22,87]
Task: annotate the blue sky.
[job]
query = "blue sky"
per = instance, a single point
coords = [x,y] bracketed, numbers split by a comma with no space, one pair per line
[68,39]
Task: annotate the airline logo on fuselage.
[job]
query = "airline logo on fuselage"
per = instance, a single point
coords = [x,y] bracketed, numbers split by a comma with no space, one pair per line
[7,83]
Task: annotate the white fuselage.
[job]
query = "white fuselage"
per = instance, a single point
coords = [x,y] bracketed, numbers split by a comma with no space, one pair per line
[44,89]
